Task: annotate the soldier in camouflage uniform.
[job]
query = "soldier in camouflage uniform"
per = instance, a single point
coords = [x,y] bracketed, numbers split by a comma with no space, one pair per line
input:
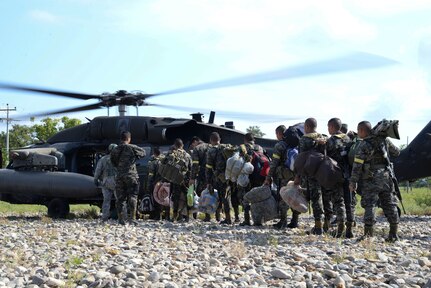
[124,157]
[312,141]
[370,165]
[215,174]
[336,149]
[152,179]
[179,191]
[199,160]
[246,151]
[105,175]
[281,175]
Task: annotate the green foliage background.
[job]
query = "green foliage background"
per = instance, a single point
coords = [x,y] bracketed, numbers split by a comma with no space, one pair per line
[24,135]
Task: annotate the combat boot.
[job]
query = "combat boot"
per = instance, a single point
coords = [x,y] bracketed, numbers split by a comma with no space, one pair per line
[207,217]
[246,221]
[326,223]
[393,233]
[294,221]
[349,232]
[368,232]
[226,221]
[217,215]
[340,230]
[174,216]
[121,218]
[280,224]
[236,212]
[317,229]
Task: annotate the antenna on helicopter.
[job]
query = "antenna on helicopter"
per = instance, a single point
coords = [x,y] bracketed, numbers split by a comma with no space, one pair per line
[212,116]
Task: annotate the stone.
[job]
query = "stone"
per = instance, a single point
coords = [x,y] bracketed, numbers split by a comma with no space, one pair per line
[281,274]
[330,273]
[117,269]
[52,282]
[339,282]
[154,276]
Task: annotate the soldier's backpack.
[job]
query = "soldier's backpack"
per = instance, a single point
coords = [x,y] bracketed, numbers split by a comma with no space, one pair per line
[291,156]
[292,135]
[146,204]
[174,167]
[260,162]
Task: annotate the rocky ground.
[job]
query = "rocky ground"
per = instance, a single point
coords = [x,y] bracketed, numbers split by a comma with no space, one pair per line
[39,252]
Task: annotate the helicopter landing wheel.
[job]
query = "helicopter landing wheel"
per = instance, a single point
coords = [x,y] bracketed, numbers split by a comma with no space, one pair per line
[58,208]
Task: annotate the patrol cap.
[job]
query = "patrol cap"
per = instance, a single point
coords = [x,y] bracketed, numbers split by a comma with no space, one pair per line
[112,147]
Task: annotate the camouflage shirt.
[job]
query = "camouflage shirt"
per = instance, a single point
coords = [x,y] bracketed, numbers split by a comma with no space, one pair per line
[124,158]
[153,167]
[336,149]
[104,169]
[277,166]
[199,158]
[369,157]
[309,142]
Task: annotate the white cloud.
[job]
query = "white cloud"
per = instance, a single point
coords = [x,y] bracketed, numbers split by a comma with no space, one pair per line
[44,16]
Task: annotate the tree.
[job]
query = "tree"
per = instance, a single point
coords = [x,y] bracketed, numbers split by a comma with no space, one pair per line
[23,135]
[255,130]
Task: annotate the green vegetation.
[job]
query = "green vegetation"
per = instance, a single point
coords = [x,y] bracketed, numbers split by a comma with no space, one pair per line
[21,209]
[23,135]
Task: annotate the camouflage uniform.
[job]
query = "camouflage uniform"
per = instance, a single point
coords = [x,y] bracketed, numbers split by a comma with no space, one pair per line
[124,158]
[215,175]
[105,174]
[248,154]
[307,143]
[199,158]
[153,178]
[179,191]
[281,176]
[340,195]
[371,167]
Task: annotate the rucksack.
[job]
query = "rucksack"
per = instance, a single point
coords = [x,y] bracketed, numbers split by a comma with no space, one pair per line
[292,135]
[146,204]
[260,163]
[174,167]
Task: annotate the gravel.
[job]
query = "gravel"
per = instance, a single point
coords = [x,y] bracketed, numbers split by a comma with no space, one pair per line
[36,251]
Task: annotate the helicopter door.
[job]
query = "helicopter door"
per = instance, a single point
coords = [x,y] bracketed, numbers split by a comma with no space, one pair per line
[83,161]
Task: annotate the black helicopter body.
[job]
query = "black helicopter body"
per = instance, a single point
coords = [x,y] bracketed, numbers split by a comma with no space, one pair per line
[71,182]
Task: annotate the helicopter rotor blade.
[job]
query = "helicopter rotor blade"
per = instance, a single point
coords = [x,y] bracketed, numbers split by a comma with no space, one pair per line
[67,110]
[233,114]
[49,91]
[355,61]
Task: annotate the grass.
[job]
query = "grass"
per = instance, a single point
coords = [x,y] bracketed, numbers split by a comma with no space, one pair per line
[21,209]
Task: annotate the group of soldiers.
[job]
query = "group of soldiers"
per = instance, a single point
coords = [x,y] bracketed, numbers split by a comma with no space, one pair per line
[362,158]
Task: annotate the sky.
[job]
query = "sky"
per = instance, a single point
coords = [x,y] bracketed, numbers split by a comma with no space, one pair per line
[153,46]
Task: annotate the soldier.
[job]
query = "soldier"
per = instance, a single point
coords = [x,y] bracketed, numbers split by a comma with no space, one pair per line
[340,196]
[179,191]
[124,157]
[153,178]
[281,176]
[199,159]
[312,141]
[105,175]
[215,174]
[370,166]
[246,151]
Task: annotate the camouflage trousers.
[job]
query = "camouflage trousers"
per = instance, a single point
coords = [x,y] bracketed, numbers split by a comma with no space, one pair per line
[350,202]
[106,205]
[223,198]
[379,187]
[126,193]
[333,200]
[178,197]
[314,194]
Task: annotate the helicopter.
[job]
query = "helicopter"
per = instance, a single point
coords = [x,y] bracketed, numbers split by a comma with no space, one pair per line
[59,172]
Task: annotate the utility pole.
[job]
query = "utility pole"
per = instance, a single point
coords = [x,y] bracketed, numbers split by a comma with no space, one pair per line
[8,120]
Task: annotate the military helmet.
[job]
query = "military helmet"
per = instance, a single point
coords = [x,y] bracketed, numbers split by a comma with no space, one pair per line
[111,147]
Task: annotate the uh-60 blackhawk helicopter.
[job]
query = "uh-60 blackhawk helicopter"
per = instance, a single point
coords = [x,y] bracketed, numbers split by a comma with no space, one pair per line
[60,171]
